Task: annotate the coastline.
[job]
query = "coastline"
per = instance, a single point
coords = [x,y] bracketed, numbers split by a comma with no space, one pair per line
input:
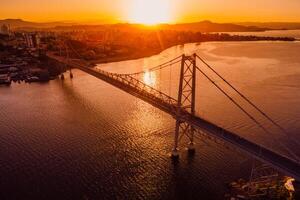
[129,57]
[96,62]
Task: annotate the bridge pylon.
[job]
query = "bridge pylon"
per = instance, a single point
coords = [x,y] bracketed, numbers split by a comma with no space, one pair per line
[186,102]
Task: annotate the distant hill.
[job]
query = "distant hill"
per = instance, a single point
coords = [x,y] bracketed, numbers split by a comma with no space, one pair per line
[203,26]
[273,25]
[208,26]
[19,23]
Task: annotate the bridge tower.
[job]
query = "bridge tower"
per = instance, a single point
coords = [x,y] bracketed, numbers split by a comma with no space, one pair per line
[186,102]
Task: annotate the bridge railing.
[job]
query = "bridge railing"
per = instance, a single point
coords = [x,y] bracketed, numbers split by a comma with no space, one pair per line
[129,80]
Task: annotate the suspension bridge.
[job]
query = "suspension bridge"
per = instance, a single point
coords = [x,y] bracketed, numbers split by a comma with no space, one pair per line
[182,109]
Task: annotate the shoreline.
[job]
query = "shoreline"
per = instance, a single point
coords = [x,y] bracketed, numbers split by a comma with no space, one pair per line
[96,62]
[129,57]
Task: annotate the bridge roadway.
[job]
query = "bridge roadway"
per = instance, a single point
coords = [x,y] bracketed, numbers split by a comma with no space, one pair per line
[168,104]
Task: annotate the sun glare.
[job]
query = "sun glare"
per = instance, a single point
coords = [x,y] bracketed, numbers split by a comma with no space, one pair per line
[150,12]
[149,78]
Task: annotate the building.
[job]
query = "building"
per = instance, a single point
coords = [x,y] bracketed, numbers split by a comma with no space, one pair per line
[5,29]
[32,40]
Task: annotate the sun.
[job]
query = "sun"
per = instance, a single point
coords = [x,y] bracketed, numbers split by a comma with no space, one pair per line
[150,12]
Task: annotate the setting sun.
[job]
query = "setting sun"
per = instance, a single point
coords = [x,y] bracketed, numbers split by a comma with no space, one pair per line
[150,12]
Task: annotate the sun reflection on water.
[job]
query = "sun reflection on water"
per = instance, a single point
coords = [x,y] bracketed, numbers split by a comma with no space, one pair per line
[149,78]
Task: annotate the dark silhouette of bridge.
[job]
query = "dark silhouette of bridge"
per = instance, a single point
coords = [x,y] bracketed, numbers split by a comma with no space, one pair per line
[183,109]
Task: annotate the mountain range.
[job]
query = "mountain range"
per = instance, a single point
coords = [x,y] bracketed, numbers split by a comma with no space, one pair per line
[202,26]
[19,23]
[273,25]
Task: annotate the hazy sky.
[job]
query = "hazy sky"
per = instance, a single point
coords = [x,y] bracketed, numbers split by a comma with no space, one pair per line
[177,10]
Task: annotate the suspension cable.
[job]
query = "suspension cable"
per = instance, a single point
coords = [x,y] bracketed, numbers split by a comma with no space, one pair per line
[158,67]
[232,100]
[253,105]
[170,81]
[243,96]
[244,111]
[159,86]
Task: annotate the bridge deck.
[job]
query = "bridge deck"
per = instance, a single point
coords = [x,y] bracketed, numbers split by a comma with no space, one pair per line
[169,105]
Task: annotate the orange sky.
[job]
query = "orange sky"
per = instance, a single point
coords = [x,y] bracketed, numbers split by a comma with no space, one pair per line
[134,10]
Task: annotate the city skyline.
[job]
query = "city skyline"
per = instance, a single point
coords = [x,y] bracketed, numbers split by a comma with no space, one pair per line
[141,11]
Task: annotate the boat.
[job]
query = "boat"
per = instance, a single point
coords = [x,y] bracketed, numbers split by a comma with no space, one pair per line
[32,79]
[5,79]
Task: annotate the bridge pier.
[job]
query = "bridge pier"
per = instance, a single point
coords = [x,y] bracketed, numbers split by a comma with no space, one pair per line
[175,153]
[71,74]
[191,148]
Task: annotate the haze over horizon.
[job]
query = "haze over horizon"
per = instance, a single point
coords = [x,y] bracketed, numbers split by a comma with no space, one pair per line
[141,11]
